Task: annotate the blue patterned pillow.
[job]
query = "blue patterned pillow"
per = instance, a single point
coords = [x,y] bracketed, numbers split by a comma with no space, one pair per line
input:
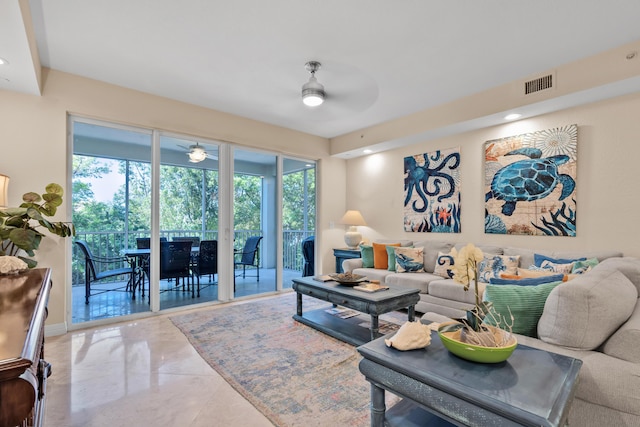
[538,259]
[580,267]
[444,262]
[492,265]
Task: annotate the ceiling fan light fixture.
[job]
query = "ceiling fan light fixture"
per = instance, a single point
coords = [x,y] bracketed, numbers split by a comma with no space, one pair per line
[312,91]
[197,154]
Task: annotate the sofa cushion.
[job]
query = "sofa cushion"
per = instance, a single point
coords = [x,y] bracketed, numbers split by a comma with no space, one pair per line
[366,253]
[380,255]
[391,257]
[431,249]
[416,280]
[486,249]
[524,303]
[444,262]
[454,291]
[409,260]
[585,311]
[623,344]
[492,265]
[628,266]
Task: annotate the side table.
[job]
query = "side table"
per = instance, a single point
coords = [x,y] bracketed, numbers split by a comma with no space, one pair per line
[344,253]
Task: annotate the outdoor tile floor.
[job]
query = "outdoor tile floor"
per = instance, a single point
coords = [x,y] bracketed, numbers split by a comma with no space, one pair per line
[119,303]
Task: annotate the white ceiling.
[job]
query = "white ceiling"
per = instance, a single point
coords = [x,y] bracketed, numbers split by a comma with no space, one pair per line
[380,59]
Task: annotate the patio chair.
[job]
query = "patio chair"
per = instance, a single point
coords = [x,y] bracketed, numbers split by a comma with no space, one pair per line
[249,256]
[308,253]
[100,268]
[175,262]
[195,241]
[206,261]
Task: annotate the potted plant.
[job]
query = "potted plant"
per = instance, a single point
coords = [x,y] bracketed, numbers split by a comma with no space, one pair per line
[20,227]
[469,338]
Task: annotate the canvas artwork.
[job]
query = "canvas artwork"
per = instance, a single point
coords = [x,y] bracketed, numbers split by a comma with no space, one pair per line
[432,192]
[530,183]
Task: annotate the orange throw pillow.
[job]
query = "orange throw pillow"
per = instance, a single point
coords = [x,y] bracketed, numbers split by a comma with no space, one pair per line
[380,256]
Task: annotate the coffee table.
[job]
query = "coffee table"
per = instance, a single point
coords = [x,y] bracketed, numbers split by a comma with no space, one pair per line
[374,304]
[532,388]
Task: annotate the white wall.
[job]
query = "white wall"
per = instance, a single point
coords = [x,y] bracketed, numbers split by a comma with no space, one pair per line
[33,137]
[608,181]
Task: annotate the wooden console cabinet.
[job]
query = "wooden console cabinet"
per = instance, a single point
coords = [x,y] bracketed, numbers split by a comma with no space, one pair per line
[23,370]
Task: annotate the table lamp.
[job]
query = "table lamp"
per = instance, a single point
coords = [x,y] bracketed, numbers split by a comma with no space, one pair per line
[352,237]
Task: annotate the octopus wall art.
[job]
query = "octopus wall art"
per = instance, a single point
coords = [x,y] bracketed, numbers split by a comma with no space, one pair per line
[432,192]
[530,183]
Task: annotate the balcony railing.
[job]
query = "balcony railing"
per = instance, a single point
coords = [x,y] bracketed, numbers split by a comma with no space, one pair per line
[111,244]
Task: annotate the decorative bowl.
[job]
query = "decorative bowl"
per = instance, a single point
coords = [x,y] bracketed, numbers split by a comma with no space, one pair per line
[477,353]
[348,279]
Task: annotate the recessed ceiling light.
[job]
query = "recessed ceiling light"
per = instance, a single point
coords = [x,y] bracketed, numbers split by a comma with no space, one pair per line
[512,116]
[367,151]
[4,61]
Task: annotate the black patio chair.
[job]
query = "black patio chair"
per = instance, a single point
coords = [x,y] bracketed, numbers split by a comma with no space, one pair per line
[308,253]
[206,261]
[248,257]
[175,263]
[99,268]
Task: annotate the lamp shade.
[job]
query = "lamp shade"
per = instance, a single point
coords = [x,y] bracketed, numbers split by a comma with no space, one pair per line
[4,190]
[352,237]
[353,218]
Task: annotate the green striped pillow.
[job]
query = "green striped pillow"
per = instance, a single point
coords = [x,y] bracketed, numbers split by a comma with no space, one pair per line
[526,304]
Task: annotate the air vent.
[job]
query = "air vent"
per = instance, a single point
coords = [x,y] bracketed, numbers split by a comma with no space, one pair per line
[538,84]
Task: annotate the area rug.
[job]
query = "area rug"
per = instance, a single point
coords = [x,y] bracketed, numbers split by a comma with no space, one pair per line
[293,374]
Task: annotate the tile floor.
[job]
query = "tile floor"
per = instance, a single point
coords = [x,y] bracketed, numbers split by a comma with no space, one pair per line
[138,373]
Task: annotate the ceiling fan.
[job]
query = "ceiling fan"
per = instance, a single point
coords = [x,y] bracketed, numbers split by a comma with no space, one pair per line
[197,153]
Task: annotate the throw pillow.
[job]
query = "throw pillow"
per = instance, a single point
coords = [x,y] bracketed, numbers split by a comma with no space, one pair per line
[581,267]
[583,313]
[409,260]
[366,253]
[444,262]
[391,258]
[533,281]
[531,273]
[557,268]
[492,265]
[539,258]
[380,256]
[525,303]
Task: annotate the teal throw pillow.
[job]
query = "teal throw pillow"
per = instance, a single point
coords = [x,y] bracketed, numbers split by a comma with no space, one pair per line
[580,267]
[526,304]
[391,253]
[366,253]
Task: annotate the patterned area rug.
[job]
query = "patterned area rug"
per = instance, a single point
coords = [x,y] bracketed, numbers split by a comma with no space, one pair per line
[293,374]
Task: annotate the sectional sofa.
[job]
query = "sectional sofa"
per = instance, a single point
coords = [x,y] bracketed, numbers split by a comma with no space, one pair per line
[594,317]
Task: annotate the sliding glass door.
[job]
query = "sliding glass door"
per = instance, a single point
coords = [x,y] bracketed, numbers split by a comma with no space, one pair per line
[154,205]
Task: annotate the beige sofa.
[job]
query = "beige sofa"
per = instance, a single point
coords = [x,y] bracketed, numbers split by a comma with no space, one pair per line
[594,317]
[445,296]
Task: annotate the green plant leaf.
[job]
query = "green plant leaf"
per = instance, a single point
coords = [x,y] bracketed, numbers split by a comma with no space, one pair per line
[52,199]
[54,188]
[31,197]
[25,239]
[30,262]
[14,211]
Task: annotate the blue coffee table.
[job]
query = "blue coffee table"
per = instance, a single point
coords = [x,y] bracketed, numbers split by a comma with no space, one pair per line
[532,388]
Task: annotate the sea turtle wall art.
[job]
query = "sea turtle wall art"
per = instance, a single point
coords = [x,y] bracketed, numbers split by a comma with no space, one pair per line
[432,192]
[530,183]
